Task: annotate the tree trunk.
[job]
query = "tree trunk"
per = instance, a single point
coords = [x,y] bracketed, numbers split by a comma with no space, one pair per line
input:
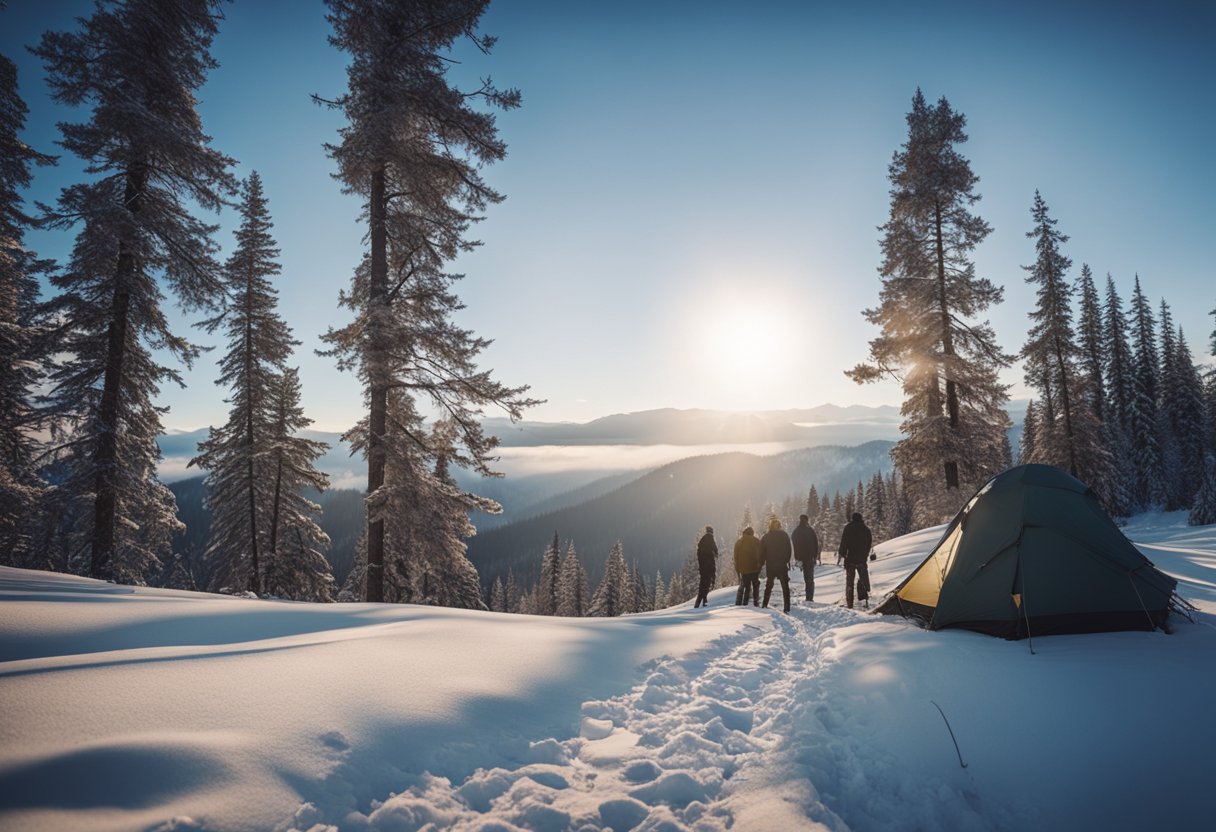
[105,457]
[255,583]
[378,415]
[951,465]
[1066,404]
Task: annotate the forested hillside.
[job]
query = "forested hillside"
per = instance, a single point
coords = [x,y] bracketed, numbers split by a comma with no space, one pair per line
[658,516]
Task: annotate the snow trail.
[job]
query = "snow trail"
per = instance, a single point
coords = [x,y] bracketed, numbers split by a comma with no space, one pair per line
[744,734]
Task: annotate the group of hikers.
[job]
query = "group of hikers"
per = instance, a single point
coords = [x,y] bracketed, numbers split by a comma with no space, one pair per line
[774,552]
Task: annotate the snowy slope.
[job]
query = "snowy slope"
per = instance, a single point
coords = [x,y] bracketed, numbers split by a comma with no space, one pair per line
[145,709]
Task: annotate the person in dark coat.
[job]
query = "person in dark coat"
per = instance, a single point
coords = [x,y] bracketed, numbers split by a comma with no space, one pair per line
[855,544]
[747,564]
[707,565]
[775,550]
[806,552]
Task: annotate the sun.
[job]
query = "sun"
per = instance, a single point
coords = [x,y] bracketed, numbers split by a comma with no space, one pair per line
[746,345]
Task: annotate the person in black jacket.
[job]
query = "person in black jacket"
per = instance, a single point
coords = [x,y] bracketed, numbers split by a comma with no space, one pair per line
[707,565]
[775,550]
[806,552]
[855,544]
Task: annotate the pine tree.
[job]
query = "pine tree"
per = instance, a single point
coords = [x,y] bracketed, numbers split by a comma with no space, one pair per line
[427,513]
[498,596]
[413,149]
[1030,430]
[1090,338]
[1183,408]
[610,596]
[953,409]
[296,566]
[137,66]
[1069,435]
[21,344]
[1203,509]
[573,592]
[1149,488]
[1119,400]
[641,592]
[513,593]
[659,596]
[876,508]
[547,589]
[812,504]
[259,344]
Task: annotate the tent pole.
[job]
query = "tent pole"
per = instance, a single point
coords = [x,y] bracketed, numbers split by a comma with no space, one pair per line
[1025,614]
[1152,627]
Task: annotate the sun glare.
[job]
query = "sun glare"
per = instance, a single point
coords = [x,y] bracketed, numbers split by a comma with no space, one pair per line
[745,350]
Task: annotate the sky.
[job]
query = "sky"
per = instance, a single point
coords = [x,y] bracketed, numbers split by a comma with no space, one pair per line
[694,188]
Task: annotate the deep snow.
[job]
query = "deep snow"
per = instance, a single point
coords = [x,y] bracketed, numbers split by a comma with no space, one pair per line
[132,708]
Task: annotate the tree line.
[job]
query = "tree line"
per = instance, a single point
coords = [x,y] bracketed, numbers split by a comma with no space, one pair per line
[1119,403]
[82,368]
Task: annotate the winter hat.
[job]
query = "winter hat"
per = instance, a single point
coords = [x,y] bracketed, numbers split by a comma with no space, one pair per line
[749,530]
[857,517]
[709,529]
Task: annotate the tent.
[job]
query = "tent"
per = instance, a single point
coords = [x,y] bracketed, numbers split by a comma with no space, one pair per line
[1033,553]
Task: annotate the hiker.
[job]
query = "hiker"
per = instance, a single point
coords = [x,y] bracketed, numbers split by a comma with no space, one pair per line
[775,550]
[747,564]
[707,565]
[806,552]
[855,543]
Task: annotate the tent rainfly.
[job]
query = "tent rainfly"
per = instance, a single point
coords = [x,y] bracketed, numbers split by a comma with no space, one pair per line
[1033,553]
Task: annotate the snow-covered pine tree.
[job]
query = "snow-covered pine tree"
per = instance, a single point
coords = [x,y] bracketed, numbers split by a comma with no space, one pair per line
[610,596]
[1030,429]
[658,598]
[21,347]
[954,417]
[427,513]
[1183,406]
[812,504]
[641,592]
[1203,508]
[1174,470]
[548,587]
[137,65]
[876,509]
[1072,439]
[412,150]
[498,596]
[1090,342]
[235,454]
[513,592]
[1149,485]
[573,590]
[296,566]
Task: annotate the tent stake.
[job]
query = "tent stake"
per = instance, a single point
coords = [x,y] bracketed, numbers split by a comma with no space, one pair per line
[951,730]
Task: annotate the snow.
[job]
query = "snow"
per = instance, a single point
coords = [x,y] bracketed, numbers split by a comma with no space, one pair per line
[131,708]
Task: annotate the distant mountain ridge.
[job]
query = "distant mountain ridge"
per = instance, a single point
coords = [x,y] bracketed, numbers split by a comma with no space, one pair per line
[658,515]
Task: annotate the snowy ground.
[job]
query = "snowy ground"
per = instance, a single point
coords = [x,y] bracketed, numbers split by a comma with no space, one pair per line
[150,709]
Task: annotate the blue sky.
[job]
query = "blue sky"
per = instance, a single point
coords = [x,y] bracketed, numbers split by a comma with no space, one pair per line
[693,189]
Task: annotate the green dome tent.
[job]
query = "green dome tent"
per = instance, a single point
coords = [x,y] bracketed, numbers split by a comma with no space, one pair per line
[1033,553]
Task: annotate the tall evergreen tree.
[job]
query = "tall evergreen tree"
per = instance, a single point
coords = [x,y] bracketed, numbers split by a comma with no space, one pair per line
[137,64]
[1030,432]
[21,347]
[1120,384]
[548,588]
[611,596]
[1073,438]
[413,149]
[659,596]
[498,596]
[573,591]
[295,544]
[953,409]
[1183,409]
[1144,431]
[259,344]
[1090,342]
